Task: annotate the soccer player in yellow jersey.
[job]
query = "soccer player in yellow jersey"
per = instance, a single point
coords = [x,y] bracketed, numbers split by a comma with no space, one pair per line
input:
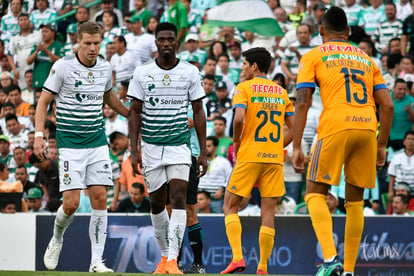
[261,109]
[350,86]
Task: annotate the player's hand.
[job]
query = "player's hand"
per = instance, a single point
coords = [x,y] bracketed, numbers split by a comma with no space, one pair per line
[381,157]
[113,206]
[39,148]
[201,162]
[298,161]
[135,162]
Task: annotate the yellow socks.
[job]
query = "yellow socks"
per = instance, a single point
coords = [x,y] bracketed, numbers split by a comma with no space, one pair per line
[322,223]
[234,232]
[354,226]
[266,241]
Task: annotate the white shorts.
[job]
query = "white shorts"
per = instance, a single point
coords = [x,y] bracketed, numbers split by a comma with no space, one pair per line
[80,168]
[160,164]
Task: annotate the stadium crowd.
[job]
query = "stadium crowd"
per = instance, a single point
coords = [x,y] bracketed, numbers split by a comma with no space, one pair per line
[34,36]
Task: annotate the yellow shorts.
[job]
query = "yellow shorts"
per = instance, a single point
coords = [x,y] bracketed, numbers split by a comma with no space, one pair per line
[268,177]
[354,149]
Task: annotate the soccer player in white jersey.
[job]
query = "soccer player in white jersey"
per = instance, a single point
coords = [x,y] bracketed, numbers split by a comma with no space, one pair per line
[80,84]
[161,91]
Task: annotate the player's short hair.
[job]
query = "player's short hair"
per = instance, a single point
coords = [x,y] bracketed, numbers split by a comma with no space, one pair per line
[89,28]
[139,186]
[409,132]
[213,139]
[393,60]
[209,77]
[397,81]
[335,20]
[260,56]
[10,117]
[220,118]
[121,39]
[223,55]
[165,26]
[115,135]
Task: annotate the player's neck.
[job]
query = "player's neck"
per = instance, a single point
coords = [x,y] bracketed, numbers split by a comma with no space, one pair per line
[259,74]
[167,62]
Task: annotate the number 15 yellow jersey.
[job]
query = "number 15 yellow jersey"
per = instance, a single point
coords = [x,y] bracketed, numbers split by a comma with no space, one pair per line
[266,105]
[347,78]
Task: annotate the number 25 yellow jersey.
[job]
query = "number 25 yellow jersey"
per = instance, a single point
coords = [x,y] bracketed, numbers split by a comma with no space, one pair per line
[266,104]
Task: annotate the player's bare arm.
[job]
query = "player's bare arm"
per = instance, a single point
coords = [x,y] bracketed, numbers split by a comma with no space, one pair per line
[238,124]
[112,100]
[303,102]
[134,126]
[39,147]
[287,138]
[383,99]
[200,126]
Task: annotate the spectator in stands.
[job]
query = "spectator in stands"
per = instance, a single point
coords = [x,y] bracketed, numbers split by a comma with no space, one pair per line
[110,51]
[372,16]
[408,34]
[20,174]
[223,62]
[210,68]
[353,12]
[152,25]
[401,167]
[42,14]
[8,207]
[236,59]
[114,122]
[47,177]
[208,86]
[217,176]
[123,62]
[203,202]
[119,145]
[141,11]
[221,104]
[220,124]
[108,22]
[45,54]
[393,70]
[194,17]
[403,188]
[407,68]
[388,29]
[34,199]
[6,78]
[394,46]
[52,153]
[82,15]
[403,114]
[108,5]
[217,48]
[176,13]
[137,202]
[20,46]
[9,22]
[400,206]
[332,202]
[4,172]
[127,178]
[141,44]
[71,46]
[281,18]
[298,13]
[19,159]
[5,154]
[368,47]
[17,134]
[403,9]
[191,45]
[28,91]
[292,55]
[15,97]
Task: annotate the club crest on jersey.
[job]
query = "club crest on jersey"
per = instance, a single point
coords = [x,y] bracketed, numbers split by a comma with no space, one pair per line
[166,80]
[66,179]
[91,77]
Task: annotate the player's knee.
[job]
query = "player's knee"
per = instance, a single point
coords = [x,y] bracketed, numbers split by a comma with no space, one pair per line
[70,206]
[178,200]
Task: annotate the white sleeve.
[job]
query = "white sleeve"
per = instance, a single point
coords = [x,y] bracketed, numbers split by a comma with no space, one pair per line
[195,92]
[54,81]
[135,89]
[391,167]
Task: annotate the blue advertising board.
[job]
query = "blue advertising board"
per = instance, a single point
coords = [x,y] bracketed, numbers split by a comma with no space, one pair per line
[387,246]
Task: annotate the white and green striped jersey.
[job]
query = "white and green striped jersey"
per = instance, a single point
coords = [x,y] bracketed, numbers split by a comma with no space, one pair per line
[370,18]
[166,95]
[194,21]
[38,18]
[79,92]
[112,33]
[353,13]
[201,54]
[292,59]
[69,48]
[124,65]
[386,31]
[9,24]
